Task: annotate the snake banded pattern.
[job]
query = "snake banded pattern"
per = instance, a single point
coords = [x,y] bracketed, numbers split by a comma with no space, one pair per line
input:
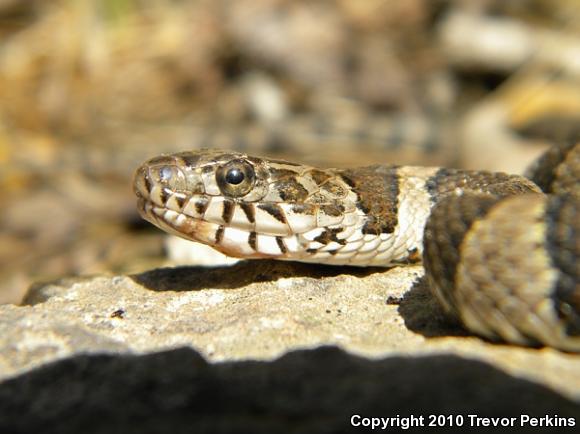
[499,253]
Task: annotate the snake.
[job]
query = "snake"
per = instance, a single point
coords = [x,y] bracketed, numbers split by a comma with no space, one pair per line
[500,251]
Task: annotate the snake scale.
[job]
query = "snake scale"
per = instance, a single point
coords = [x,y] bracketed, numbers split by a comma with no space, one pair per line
[499,254]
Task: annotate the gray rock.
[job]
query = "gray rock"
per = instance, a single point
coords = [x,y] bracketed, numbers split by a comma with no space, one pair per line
[256,310]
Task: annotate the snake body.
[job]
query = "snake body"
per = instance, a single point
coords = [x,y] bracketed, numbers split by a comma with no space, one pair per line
[499,254]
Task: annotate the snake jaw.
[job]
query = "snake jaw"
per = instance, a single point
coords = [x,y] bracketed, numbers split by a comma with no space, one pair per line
[227,240]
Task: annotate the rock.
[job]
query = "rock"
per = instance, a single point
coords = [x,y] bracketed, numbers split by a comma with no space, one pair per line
[255,310]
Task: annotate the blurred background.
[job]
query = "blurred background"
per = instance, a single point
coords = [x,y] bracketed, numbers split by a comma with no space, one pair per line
[89,89]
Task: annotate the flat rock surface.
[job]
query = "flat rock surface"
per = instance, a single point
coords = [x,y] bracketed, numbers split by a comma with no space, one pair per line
[257,310]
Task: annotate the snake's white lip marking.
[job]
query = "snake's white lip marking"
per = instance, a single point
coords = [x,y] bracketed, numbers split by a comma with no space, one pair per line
[233,241]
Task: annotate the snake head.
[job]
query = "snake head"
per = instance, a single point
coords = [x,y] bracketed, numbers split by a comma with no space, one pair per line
[246,206]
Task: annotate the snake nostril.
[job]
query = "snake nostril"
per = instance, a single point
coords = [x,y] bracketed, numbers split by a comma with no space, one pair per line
[165,173]
[167,176]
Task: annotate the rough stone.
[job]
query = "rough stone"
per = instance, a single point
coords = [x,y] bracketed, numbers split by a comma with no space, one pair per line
[256,310]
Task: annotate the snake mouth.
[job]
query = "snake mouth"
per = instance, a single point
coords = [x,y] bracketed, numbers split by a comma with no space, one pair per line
[228,240]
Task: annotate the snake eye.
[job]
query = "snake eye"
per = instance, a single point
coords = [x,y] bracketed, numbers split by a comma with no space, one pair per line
[236,178]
